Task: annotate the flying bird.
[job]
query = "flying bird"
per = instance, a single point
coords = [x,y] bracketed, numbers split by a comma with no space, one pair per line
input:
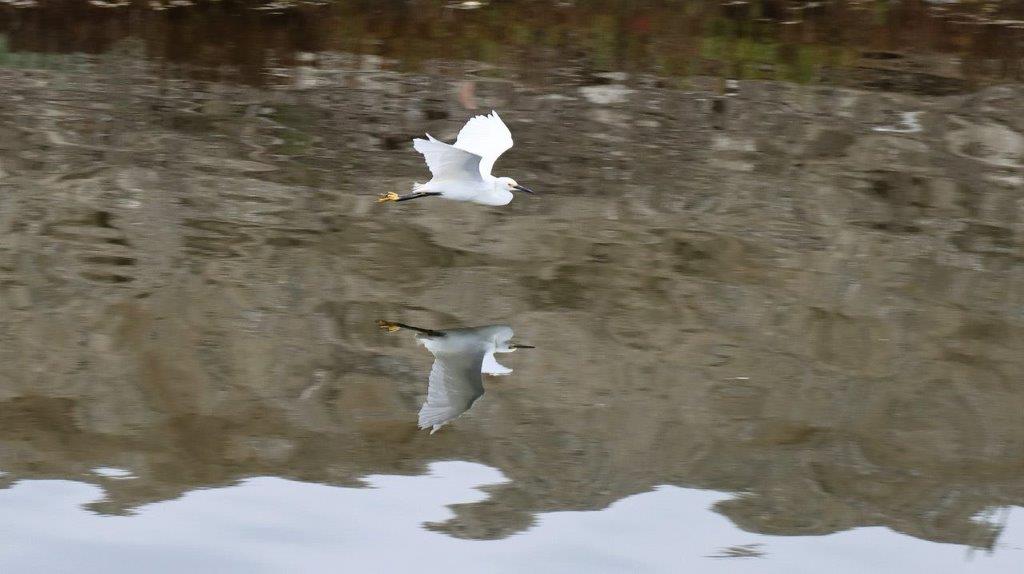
[461,358]
[463,171]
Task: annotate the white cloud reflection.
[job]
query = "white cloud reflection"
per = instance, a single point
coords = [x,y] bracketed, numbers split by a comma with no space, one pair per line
[277,525]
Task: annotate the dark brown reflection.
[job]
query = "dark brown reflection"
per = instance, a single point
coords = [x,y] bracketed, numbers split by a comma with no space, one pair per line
[898,46]
[807,295]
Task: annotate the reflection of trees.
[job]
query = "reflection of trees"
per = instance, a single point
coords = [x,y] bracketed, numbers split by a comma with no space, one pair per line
[778,40]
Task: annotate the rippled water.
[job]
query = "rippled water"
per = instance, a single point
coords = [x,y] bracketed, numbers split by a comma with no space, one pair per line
[773,274]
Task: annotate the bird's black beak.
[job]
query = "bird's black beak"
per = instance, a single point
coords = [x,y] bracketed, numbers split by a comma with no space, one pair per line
[518,187]
[522,346]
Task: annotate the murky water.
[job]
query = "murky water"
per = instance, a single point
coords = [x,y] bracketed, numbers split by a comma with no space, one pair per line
[774,275]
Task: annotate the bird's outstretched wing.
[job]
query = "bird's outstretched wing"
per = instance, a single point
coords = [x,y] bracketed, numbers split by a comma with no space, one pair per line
[491,366]
[447,162]
[487,137]
[455,384]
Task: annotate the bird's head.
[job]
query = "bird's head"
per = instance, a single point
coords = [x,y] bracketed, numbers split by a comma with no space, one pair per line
[503,341]
[509,184]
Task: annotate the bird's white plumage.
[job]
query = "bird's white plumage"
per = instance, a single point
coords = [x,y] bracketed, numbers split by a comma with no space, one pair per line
[461,358]
[448,163]
[491,366]
[463,171]
[455,384]
[486,136]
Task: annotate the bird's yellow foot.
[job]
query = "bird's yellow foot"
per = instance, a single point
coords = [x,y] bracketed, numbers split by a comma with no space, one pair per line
[389,196]
[388,326]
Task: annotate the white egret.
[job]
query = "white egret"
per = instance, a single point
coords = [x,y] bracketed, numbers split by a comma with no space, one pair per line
[461,358]
[463,171]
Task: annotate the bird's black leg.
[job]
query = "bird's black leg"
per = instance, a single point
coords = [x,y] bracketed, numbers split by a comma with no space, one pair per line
[392,326]
[392,196]
[417,195]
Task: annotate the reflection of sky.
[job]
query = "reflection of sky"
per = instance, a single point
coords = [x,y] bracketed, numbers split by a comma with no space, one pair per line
[276,525]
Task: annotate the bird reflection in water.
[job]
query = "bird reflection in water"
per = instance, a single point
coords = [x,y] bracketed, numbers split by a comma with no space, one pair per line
[461,358]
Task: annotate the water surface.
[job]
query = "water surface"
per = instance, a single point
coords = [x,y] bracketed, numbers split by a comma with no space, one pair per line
[773,276]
